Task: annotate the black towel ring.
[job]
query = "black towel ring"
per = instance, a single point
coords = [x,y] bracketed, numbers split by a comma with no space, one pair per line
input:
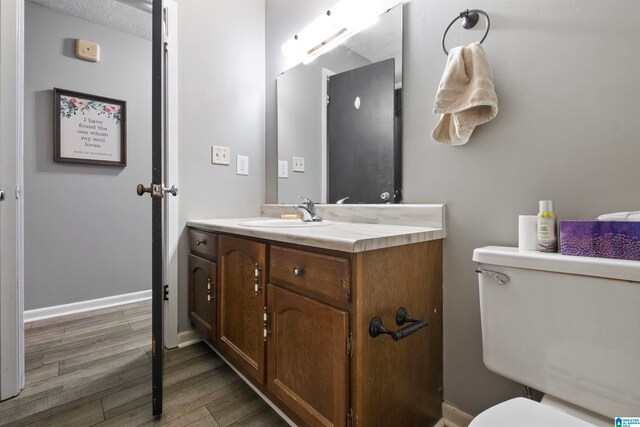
[469,20]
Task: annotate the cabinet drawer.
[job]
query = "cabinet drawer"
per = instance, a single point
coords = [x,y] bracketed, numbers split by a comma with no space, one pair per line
[205,244]
[321,274]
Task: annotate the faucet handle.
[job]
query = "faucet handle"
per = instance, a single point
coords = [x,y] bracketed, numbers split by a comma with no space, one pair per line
[308,202]
[308,209]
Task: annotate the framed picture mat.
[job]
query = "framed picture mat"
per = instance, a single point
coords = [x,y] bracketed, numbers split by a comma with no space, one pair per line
[89,129]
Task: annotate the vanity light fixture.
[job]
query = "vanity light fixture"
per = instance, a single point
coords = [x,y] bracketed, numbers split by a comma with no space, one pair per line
[331,29]
[143,5]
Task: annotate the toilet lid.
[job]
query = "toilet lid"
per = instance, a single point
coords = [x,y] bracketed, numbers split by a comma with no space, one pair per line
[521,412]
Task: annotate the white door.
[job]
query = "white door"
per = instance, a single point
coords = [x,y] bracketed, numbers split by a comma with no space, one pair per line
[11,208]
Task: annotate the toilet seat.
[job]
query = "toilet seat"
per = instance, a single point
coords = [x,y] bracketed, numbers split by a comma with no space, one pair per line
[521,412]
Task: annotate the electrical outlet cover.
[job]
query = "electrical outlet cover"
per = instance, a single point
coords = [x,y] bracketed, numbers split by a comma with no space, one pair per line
[283,169]
[219,155]
[298,164]
[226,155]
[242,165]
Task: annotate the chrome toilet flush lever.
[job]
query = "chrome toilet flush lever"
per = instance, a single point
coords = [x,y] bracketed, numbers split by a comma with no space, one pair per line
[500,278]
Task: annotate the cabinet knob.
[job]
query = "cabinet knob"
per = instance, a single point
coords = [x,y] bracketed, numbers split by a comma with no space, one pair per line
[297,271]
[201,242]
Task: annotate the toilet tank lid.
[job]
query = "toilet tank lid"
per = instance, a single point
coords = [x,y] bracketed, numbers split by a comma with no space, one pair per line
[553,262]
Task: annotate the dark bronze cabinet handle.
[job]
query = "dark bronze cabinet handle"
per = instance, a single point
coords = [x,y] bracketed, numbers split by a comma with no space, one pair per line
[201,242]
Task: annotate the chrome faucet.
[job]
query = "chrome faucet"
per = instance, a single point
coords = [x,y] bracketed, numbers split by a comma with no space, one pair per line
[308,209]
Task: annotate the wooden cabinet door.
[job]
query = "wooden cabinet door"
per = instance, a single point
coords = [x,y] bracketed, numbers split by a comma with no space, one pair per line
[202,307]
[308,365]
[242,304]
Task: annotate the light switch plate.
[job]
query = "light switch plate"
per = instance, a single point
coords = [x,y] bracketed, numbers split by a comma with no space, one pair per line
[242,165]
[89,51]
[220,155]
[283,169]
[298,164]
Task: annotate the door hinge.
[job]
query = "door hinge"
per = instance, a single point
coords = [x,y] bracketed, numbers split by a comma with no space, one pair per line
[165,19]
[350,417]
[327,99]
[350,345]
[265,323]
[165,294]
[166,47]
[256,279]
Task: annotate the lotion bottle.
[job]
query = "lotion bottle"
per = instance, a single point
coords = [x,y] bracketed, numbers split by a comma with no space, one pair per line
[547,227]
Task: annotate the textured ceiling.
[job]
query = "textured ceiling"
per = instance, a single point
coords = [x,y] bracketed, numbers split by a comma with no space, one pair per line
[124,15]
[380,41]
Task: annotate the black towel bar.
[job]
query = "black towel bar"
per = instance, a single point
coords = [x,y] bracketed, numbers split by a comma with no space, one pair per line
[402,316]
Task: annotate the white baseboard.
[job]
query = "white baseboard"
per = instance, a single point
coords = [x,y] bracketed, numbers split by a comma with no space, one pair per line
[454,417]
[82,306]
[187,338]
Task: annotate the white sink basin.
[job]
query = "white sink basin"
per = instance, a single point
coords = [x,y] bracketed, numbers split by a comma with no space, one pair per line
[283,223]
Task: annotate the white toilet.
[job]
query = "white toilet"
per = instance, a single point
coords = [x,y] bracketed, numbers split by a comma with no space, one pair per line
[566,326]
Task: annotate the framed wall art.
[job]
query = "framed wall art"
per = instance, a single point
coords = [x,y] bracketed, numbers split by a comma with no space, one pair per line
[89,129]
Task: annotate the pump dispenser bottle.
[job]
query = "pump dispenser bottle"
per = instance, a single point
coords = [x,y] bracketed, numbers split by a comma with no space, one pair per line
[547,227]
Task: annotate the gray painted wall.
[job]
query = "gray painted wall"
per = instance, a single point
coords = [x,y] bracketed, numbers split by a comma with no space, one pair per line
[566,78]
[221,102]
[87,234]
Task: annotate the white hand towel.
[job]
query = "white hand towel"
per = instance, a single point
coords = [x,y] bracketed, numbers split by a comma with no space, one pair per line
[466,97]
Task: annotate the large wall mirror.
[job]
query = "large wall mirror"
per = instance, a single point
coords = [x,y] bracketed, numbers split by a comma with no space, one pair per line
[340,120]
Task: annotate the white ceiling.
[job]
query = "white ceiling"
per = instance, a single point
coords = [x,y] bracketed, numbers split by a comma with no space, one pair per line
[386,43]
[128,16]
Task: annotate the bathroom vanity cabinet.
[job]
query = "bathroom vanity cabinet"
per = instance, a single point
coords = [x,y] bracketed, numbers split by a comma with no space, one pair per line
[202,282]
[294,320]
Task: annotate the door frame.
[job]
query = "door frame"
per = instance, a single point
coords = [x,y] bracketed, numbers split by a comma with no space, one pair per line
[324,94]
[171,227]
[11,178]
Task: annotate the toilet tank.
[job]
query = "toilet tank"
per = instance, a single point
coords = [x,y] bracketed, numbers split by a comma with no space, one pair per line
[567,326]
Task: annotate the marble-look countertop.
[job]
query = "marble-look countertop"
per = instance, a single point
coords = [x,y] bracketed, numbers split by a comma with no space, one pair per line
[423,215]
[339,236]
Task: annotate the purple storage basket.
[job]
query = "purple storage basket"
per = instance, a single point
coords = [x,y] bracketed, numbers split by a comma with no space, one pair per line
[601,239]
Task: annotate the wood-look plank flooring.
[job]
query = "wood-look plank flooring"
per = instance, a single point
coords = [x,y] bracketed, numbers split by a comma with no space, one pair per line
[94,368]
